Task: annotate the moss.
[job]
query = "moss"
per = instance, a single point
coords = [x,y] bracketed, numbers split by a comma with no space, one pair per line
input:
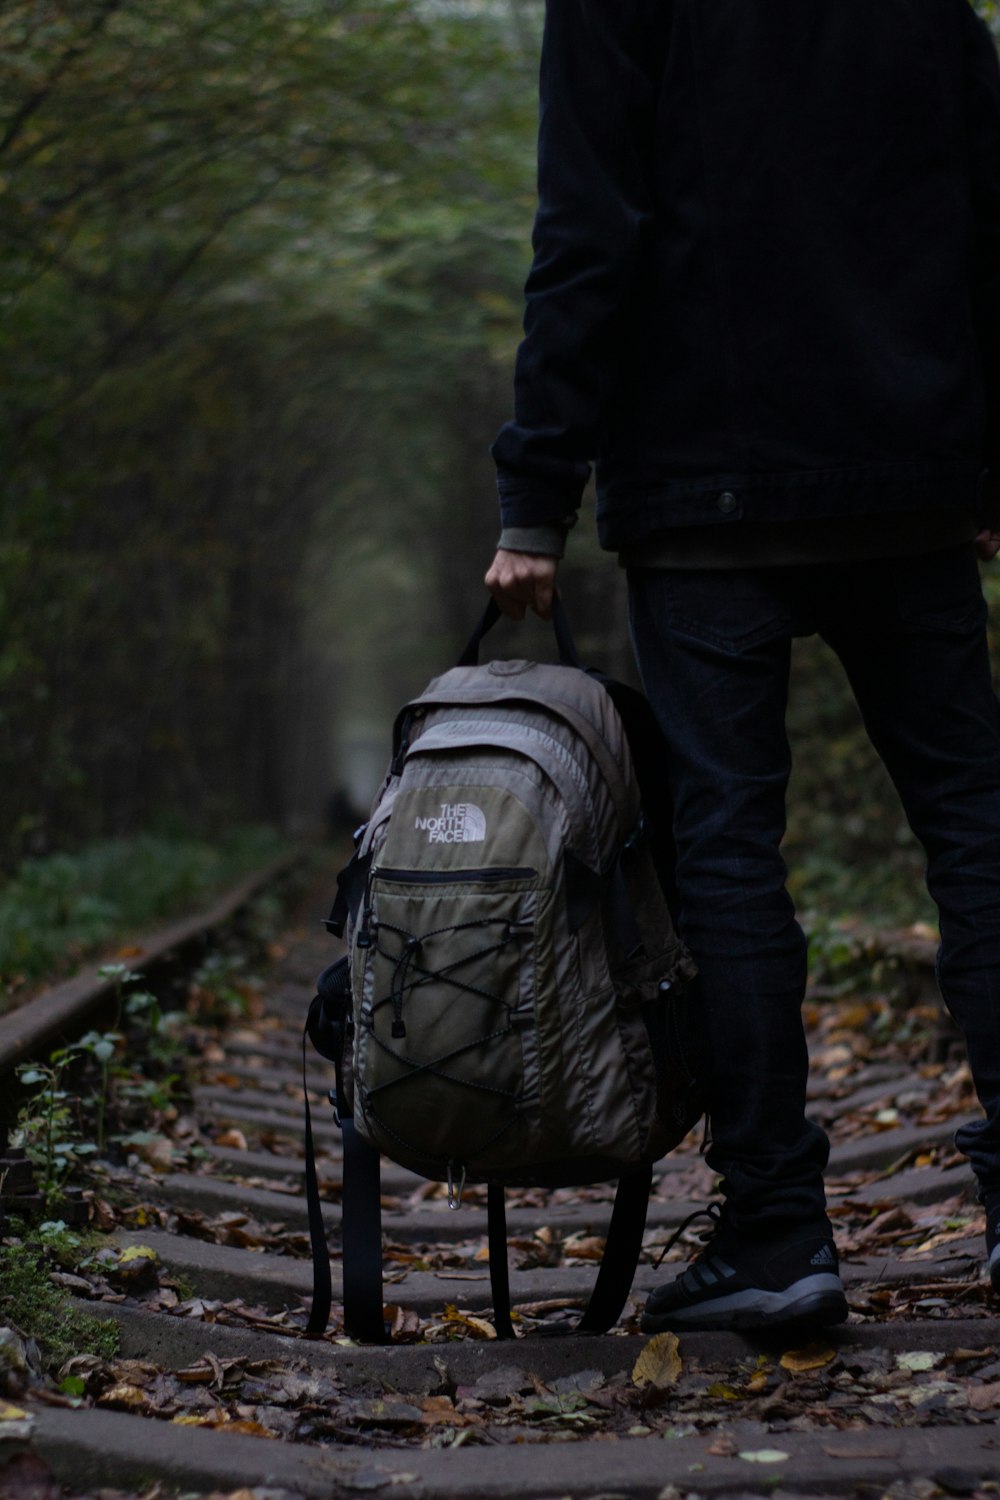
[42,1311]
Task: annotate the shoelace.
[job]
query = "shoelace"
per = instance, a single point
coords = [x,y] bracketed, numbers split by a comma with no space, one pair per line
[715,1212]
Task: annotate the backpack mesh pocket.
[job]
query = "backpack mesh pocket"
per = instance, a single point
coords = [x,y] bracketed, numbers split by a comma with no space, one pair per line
[445,1038]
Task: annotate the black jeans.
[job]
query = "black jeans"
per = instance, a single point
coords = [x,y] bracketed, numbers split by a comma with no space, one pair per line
[713,649]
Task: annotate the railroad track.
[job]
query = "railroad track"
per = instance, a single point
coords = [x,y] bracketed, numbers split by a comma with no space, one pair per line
[203,1269]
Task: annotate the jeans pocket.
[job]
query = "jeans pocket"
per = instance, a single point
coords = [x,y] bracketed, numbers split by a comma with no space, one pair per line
[734,611]
[941,591]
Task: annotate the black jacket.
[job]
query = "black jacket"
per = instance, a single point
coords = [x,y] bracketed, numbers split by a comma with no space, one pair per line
[766,280]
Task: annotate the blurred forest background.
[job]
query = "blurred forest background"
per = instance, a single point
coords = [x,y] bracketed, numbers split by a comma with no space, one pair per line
[260,292]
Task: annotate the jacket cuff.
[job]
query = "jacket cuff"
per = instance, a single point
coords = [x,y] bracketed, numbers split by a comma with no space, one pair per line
[530,501]
[544,541]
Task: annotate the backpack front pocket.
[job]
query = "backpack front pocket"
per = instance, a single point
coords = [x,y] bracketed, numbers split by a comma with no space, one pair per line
[447,1074]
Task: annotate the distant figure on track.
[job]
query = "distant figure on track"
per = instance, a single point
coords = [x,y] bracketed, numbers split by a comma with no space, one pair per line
[765,298]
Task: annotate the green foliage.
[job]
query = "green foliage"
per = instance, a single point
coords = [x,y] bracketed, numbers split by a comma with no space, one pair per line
[50,1126]
[71,905]
[115,1077]
[990,12]
[252,259]
[38,1308]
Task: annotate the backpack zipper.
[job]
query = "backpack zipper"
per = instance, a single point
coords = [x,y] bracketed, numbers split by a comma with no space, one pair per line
[454,877]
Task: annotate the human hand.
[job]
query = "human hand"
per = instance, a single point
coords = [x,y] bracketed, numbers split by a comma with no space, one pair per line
[987,544]
[520,581]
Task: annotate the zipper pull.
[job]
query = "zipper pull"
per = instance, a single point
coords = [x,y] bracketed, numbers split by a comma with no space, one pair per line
[455,1194]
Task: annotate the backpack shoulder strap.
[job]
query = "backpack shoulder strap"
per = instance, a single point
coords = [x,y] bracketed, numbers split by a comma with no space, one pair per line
[361,1209]
[362,1238]
[618,1263]
[621,1252]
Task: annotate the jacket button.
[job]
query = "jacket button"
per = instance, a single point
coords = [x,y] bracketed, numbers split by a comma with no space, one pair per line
[727,502]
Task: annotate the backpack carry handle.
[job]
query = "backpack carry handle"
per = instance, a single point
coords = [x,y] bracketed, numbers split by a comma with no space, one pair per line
[568,654]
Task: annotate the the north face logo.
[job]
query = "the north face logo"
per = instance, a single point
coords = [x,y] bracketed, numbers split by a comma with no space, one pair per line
[458,823]
[824,1257]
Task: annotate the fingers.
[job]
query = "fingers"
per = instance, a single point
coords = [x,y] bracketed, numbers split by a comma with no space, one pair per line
[988,544]
[520,581]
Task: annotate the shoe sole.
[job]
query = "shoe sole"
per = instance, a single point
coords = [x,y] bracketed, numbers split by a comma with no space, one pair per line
[817,1301]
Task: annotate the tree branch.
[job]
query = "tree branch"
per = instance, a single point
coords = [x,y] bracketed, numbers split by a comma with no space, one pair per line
[38,98]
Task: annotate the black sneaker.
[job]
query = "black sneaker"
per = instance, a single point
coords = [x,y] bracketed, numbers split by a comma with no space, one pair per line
[738,1282]
[992,1205]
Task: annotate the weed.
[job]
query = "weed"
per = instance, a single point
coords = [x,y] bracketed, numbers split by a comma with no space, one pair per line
[49,1127]
[101,1046]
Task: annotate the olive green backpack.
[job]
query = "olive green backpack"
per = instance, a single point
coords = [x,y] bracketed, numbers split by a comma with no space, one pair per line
[511,1006]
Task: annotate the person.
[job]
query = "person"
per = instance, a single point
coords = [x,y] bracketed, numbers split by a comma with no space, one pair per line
[765,297]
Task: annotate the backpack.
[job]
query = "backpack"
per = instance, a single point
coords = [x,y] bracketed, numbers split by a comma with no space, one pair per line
[511,1009]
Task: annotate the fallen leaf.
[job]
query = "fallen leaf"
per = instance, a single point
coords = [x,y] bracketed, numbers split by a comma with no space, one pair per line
[136,1252]
[406,1325]
[811,1357]
[542,1309]
[659,1364]
[583,1247]
[722,1392]
[764,1456]
[126,1397]
[251,1429]
[234,1139]
[387,1413]
[478,1327]
[919,1359]
[723,1447]
[9,1413]
[102,1215]
[439,1411]
[374,1479]
[985,1397]
[157,1152]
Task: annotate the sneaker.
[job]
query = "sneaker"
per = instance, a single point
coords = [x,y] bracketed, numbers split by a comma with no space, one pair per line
[992,1206]
[738,1282]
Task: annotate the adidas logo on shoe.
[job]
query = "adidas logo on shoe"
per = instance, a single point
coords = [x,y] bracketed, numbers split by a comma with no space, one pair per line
[747,1281]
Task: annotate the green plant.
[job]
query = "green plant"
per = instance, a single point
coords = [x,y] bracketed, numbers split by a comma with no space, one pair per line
[222,988]
[101,1046]
[48,1124]
[39,1309]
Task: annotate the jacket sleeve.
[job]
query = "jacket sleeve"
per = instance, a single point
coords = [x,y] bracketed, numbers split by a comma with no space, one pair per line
[982,80]
[598,86]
